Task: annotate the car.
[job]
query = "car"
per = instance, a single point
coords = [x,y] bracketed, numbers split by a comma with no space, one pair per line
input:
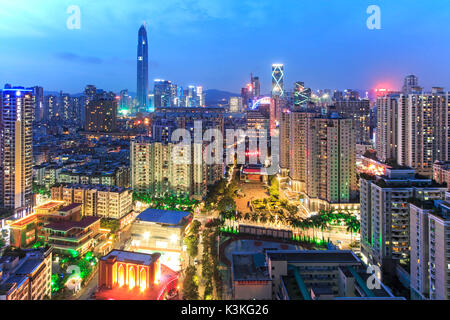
[196,262]
[338,241]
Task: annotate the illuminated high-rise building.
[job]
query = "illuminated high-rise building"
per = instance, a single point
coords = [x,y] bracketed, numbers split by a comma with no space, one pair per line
[293,142]
[301,95]
[410,82]
[89,93]
[200,96]
[256,87]
[16,150]
[101,113]
[163,169]
[64,106]
[359,110]
[413,128]
[162,93]
[386,215]
[330,163]
[38,110]
[125,102]
[142,70]
[50,106]
[277,80]
[235,104]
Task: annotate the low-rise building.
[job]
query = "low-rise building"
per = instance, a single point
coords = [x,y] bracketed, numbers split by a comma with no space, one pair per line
[26,278]
[323,275]
[161,231]
[441,172]
[125,275]
[60,226]
[250,277]
[75,235]
[96,200]
[305,275]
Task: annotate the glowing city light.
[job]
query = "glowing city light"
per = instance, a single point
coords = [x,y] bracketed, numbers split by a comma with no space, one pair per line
[257,103]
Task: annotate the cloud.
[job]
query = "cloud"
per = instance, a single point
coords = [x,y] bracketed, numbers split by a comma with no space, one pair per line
[72,57]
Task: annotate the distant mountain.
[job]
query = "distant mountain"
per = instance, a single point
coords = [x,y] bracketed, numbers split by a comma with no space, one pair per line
[215,97]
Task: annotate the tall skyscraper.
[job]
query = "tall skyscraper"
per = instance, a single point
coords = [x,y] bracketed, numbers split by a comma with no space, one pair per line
[293,140]
[410,82]
[101,113]
[256,86]
[385,214]
[124,103]
[330,163]
[163,169]
[413,128]
[162,93]
[359,110]
[142,70]
[50,106]
[38,110]
[64,106]
[277,80]
[301,95]
[429,239]
[387,126]
[16,150]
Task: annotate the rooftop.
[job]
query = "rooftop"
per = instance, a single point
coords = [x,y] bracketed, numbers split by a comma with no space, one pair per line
[67,225]
[313,256]
[163,216]
[50,205]
[132,257]
[154,293]
[24,221]
[29,266]
[249,267]
[70,207]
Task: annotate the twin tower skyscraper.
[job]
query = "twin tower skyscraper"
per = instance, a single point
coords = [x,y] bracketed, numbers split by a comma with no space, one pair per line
[142,70]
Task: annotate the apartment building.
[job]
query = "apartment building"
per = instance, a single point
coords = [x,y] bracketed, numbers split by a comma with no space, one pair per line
[28,277]
[385,223]
[166,168]
[96,200]
[413,128]
[293,142]
[330,163]
[441,172]
[430,250]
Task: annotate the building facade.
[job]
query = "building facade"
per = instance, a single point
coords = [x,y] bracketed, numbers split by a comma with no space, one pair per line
[27,278]
[16,144]
[142,69]
[330,162]
[167,169]
[385,224]
[430,261]
[413,128]
[96,200]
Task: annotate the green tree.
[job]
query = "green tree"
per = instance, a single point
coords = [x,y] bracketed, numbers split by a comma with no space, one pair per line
[195,228]
[226,204]
[192,245]
[111,224]
[190,285]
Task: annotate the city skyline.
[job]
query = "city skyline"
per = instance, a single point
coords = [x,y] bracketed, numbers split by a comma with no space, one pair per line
[184,46]
[239,150]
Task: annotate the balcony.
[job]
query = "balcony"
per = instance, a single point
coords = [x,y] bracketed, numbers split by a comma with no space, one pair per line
[71,238]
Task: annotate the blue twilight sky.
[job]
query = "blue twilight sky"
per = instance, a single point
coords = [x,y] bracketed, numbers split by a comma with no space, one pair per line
[217,43]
